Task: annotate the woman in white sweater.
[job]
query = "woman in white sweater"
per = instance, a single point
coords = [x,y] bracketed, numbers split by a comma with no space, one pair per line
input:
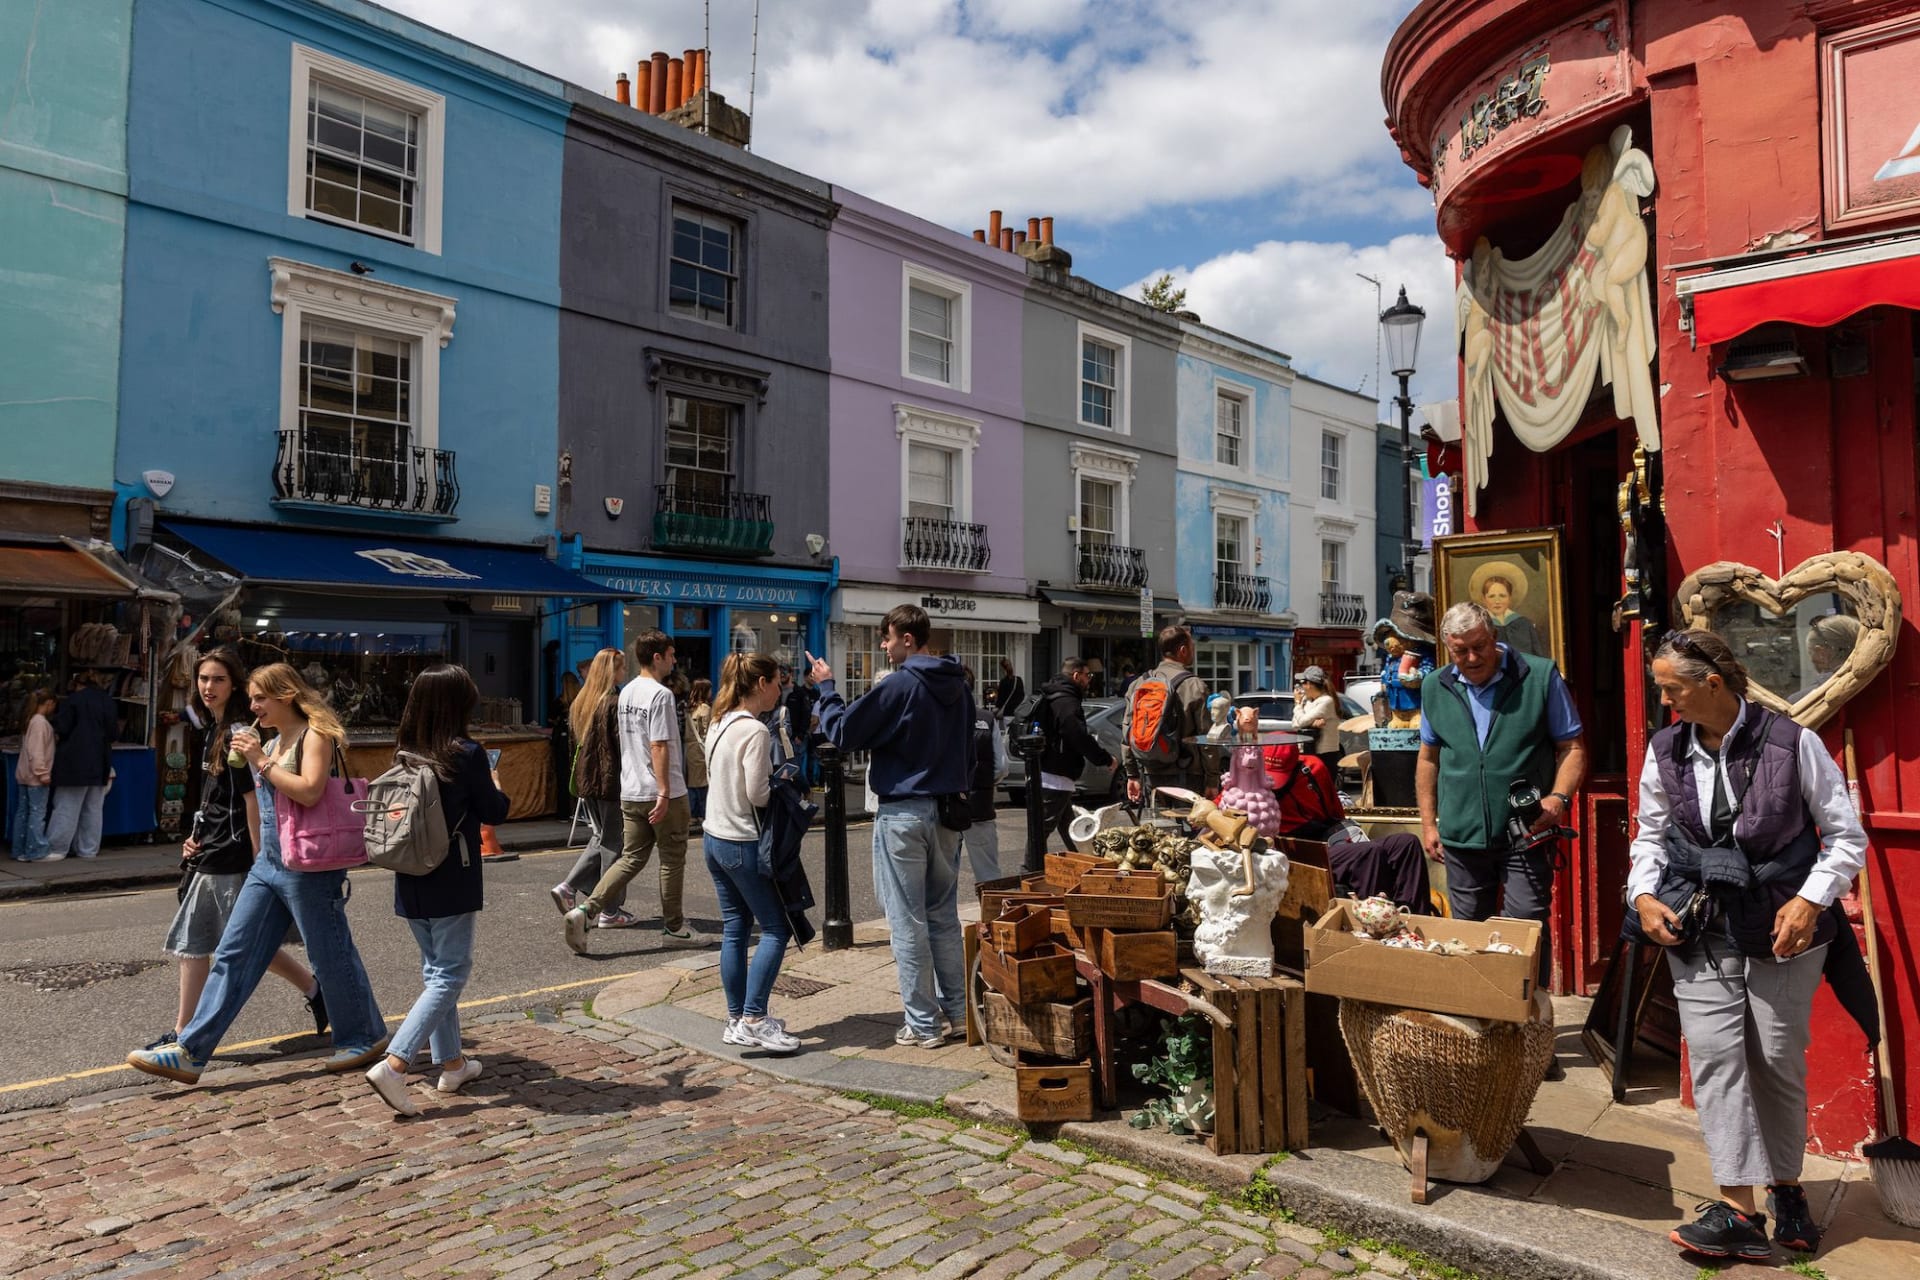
[739,767]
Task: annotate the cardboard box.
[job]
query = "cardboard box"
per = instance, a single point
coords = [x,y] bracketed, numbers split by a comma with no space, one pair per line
[1494,986]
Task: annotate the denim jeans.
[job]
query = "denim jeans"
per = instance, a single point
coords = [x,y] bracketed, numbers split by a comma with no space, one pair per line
[75,825]
[29,834]
[916,873]
[982,843]
[270,897]
[746,897]
[603,817]
[446,958]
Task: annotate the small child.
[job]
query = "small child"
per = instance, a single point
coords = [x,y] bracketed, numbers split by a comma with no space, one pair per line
[34,773]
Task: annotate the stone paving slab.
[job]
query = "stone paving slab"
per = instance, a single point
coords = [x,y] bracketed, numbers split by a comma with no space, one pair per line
[574,1156]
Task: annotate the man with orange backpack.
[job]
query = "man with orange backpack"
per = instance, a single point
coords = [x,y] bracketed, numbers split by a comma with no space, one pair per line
[1166,707]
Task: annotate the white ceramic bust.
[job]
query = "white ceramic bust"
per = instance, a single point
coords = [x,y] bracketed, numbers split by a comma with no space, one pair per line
[1235,934]
[1218,707]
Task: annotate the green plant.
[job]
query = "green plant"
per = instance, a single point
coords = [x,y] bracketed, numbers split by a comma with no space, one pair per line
[1161,295]
[1260,1196]
[1803,1264]
[1185,1057]
[901,1107]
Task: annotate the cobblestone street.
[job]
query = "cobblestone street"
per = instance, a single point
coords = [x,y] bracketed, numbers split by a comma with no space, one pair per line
[587,1150]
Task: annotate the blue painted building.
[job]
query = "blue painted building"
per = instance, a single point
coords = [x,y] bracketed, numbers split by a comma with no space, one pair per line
[1232,533]
[342,321]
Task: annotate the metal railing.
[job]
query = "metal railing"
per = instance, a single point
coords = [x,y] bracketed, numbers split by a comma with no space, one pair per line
[1342,609]
[728,523]
[1243,591]
[321,465]
[1110,567]
[927,542]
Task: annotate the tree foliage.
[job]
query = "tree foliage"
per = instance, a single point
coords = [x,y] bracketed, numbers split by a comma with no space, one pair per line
[1162,296]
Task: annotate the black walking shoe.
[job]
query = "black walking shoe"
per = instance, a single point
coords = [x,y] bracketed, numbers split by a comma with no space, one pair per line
[1793,1225]
[317,1006]
[1722,1231]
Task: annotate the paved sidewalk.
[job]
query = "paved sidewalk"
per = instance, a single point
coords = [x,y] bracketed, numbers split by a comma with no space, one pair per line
[1623,1175]
[589,1151]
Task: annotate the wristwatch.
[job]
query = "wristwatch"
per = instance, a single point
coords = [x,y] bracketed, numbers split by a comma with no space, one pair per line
[1562,797]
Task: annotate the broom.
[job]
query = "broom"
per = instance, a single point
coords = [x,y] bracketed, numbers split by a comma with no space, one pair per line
[1893,1161]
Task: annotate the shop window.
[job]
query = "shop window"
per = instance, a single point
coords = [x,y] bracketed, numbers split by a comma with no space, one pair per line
[703,270]
[700,455]
[362,668]
[365,150]
[1103,379]
[1229,427]
[1333,452]
[937,319]
[1226,666]
[781,636]
[864,660]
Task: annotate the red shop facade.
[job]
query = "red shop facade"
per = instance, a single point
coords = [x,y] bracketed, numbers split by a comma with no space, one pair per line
[1688,239]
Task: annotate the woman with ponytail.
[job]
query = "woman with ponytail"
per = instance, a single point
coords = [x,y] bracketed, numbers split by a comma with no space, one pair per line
[595,720]
[739,770]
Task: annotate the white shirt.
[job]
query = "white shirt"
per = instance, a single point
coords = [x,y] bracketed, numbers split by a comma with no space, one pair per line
[1325,709]
[739,764]
[647,716]
[1843,843]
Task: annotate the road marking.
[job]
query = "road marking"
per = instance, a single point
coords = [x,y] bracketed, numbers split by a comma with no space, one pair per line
[392,1017]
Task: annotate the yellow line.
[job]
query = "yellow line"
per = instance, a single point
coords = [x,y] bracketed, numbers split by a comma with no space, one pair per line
[392,1017]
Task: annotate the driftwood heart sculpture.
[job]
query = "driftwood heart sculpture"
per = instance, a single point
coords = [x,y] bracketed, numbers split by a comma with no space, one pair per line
[1861,580]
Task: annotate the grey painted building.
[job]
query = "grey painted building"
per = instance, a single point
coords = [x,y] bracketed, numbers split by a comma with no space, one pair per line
[1100,377]
[693,386]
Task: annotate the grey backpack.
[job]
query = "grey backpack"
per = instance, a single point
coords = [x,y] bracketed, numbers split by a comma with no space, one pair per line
[407,830]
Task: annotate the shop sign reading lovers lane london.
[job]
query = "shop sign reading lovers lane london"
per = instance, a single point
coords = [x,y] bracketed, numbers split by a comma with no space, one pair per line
[706,591]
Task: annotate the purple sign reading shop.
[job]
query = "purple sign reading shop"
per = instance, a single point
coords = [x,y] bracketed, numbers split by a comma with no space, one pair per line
[1436,508]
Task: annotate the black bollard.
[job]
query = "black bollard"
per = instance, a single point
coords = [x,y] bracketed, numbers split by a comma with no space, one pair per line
[1028,747]
[837,933]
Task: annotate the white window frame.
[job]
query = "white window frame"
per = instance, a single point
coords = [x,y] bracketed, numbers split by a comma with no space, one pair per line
[915,424]
[310,64]
[1340,483]
[1339,585]
[959,293]
[1123,377]
[299,291]
[736,297]
[1117,467]
[1244,506]
[1243,444]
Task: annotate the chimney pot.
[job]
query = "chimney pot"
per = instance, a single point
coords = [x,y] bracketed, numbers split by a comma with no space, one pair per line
[1006,239]
[689,74]
[1019,238]
[622,90]
[980,235]
[993,226]
[1046,230]
[676,73]
[1033,228]
[696,72]
[657,100]
[643,85]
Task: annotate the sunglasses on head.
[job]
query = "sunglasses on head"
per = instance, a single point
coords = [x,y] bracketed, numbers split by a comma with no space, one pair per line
[1686,642]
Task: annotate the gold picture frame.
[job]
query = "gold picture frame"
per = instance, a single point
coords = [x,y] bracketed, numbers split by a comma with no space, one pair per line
[1473,566]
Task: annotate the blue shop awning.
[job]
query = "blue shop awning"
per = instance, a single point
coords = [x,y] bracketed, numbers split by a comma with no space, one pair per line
[301,558]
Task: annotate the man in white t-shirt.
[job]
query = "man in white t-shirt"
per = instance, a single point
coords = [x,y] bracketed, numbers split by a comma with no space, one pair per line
[653,798]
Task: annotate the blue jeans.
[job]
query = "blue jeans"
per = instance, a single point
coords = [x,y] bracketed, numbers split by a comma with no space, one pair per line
[77,816]
[916,873]
[29,834]
[446,958]
[746,897]
[982,843]
[270,897]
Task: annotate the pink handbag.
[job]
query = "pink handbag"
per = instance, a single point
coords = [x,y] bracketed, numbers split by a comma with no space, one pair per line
[326,835]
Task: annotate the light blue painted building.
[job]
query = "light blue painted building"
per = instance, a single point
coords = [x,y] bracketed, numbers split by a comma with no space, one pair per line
[1231,507]
[342,321]
[63,184]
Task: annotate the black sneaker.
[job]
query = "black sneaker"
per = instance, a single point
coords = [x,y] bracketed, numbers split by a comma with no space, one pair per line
[1722,1231]
[172,1037]
[1793,1225]
[317,1006]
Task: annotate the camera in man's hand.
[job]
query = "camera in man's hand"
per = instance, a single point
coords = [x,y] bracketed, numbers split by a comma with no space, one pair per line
[1523,810]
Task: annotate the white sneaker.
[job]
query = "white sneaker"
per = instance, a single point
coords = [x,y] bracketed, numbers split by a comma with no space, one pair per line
[578,923]
[908,1037]
[53,857]
[685,936]
[454,1081]
[768,1034]
[735,1034]
[392,1088]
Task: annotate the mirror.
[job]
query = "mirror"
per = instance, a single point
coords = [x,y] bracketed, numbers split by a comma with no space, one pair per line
[1811,640]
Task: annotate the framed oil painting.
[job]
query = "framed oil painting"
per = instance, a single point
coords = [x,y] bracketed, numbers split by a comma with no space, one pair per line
[1515,575]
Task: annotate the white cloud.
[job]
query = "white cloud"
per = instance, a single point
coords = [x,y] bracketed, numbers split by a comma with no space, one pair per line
[1307,299]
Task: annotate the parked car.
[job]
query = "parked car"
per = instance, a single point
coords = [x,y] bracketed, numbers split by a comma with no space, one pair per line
[1097,784]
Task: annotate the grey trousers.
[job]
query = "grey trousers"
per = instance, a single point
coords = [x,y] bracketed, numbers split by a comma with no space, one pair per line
[1748,1023]
[603,819]
[982,844]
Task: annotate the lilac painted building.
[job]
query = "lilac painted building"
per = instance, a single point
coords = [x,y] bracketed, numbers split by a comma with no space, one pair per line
[926,443]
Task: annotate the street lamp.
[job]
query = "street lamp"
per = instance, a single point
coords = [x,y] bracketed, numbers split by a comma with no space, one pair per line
[1402,322]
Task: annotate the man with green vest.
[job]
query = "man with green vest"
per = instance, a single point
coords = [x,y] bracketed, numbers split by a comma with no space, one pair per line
[1494,716]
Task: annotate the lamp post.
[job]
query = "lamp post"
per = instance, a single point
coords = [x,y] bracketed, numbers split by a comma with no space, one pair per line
[1401,323]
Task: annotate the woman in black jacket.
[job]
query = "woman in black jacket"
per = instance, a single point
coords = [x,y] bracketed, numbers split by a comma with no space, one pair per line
[595,720]
[442,906]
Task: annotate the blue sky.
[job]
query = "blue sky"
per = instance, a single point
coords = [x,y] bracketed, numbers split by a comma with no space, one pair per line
[1235,143]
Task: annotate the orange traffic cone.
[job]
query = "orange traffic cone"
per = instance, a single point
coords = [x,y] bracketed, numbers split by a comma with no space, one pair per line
[489,842]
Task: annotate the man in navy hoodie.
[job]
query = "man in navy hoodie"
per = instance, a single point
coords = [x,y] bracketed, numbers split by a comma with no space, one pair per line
[917,729]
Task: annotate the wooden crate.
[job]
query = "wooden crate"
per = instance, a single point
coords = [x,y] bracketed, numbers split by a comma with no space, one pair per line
[1259,1063]
[1051,1028]
[1019,928]
[1065,931]
[1048,974]
[1108,900]
[994,902]
[1054,1093]
[1129,957]
[1065,869]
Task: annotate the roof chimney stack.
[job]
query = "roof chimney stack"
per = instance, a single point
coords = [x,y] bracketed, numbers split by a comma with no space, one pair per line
[657,100]
[622,91]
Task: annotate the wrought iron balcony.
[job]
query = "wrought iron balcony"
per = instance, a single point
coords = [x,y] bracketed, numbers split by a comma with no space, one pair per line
[927,542]
[1342,609]
[1244,591]
[717,524]
[1106,566]
[342,467]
